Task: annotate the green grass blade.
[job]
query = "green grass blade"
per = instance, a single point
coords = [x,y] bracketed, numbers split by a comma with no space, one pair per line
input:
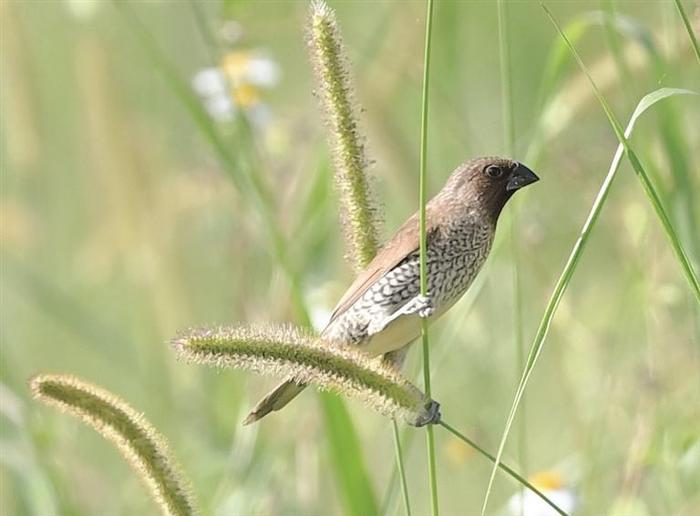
[430,437]
[649,189]
[672,134]
[568,271]
[688,28]
[346,453]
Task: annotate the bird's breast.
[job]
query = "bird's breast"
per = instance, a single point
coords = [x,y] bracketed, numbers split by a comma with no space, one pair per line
[454,261]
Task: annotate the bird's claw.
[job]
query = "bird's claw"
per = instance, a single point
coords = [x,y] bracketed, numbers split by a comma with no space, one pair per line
[430,416]
[421,305]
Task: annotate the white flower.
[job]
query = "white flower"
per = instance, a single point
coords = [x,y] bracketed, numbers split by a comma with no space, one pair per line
[237,83]
[551,485]
[210,82]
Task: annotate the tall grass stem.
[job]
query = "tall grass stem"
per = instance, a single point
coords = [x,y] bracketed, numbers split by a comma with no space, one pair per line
[509,144]
[430,437]
[400,466]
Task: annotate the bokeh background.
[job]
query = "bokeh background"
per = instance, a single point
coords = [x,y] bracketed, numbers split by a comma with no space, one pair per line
[129,212]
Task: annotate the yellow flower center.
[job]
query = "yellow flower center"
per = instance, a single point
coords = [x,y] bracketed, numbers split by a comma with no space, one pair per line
[245,95]
[547,480]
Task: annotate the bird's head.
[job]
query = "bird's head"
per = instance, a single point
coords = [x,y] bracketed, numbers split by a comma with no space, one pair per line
[487,183]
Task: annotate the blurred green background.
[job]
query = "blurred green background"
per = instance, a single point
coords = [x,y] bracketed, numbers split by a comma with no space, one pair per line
[121,224]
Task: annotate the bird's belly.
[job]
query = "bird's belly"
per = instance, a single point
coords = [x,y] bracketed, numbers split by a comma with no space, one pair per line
[401,332]
[395,336]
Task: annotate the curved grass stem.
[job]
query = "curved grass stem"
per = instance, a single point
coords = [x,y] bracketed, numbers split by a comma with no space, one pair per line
[509,144]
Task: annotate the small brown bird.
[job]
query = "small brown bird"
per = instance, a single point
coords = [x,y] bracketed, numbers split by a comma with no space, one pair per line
[381,310]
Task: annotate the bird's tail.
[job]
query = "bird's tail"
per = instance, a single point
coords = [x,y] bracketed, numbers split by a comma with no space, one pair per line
[277,399]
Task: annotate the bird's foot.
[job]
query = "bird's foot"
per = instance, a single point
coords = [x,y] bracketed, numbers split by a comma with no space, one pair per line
[421,305]
[431,415]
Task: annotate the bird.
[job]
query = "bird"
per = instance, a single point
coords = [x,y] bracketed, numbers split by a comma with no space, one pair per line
[381,311]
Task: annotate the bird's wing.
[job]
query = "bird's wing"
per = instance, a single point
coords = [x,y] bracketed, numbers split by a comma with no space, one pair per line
[404,242]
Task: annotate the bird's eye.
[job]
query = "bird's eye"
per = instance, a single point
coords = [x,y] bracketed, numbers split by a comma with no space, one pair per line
[494,171]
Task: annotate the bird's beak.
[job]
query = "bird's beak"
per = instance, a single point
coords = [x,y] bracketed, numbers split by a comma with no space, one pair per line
[521,176]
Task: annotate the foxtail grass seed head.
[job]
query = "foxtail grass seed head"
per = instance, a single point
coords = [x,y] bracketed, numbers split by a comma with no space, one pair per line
[359,212]
[288,351]
[142,446]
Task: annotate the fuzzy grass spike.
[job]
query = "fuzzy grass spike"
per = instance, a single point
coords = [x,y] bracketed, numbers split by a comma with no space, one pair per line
[288,351]
[137,440]
[359,213]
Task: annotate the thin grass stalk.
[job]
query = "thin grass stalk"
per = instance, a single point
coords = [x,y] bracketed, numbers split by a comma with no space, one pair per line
[144,448]
[688,28]
[671,135]
[522,480]
[400,466]
[430,438]
[551,104]
[507,109]
[394,483]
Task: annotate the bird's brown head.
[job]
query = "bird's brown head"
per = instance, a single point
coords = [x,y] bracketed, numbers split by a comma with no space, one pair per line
[486,183]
